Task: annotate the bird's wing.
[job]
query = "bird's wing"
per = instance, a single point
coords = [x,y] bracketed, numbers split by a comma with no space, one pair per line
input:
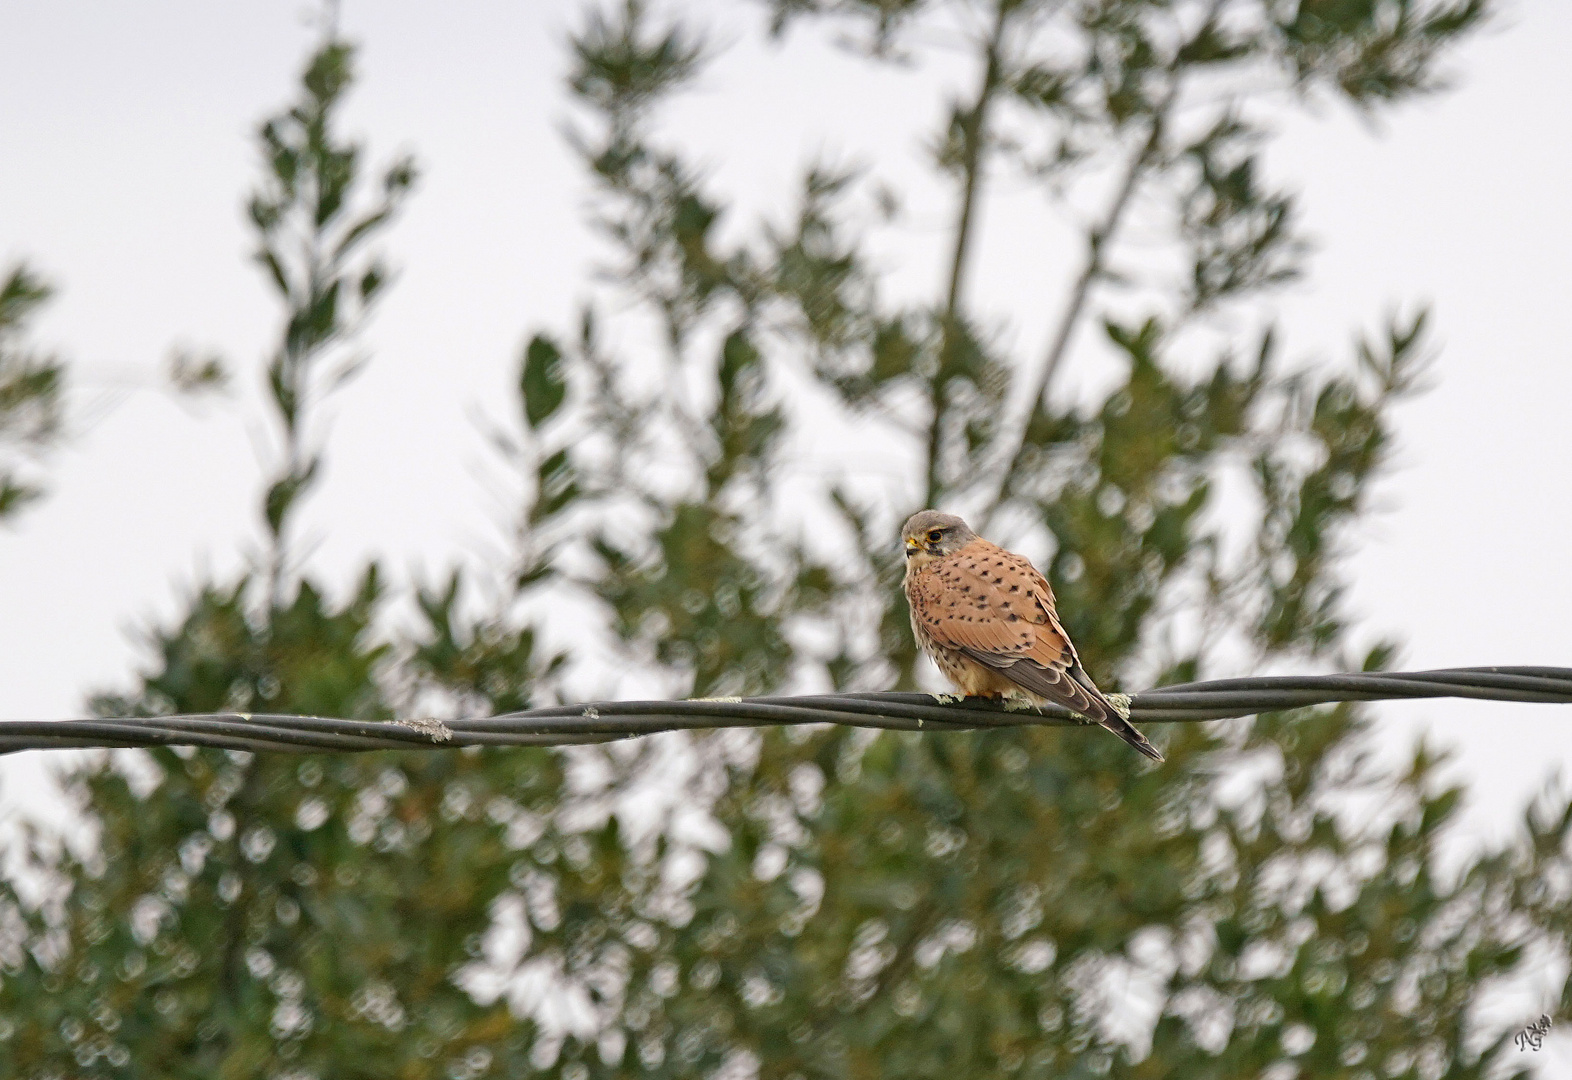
[993,606]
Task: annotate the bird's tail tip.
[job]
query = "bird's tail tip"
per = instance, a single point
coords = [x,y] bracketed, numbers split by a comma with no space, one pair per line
[1115,710]
[1148,749]
[1132,735]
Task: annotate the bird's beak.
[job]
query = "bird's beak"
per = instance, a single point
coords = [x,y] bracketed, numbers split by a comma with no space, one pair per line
[912,546]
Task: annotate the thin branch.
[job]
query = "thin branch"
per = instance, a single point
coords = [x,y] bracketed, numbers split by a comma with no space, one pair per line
[974,134]
[1097,244]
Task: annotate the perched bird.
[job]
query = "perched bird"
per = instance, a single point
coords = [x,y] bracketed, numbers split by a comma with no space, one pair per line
[986,617]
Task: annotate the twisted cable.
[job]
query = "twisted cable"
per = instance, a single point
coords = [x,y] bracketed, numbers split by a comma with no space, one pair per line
[606,721]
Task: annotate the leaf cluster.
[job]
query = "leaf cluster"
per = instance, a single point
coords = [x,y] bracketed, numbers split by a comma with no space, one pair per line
[32,388]
[311,239]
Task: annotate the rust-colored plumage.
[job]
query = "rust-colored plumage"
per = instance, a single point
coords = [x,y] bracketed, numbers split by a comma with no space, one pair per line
[986,617]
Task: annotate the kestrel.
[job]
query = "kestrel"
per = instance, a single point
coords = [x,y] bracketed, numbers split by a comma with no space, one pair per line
[986,617]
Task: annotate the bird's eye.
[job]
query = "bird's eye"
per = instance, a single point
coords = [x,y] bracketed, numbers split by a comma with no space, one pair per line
[934,535]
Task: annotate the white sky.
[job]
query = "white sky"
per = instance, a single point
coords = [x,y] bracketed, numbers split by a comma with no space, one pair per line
[126,149]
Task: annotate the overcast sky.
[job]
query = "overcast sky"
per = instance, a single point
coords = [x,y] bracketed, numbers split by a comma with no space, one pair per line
[126,148]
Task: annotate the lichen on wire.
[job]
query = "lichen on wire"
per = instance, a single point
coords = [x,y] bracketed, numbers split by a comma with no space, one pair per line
[607,721]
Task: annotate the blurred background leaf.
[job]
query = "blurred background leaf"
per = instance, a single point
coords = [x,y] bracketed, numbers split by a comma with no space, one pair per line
[31,392]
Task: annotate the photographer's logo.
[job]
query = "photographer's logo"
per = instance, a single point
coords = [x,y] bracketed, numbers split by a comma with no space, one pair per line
[1533,1036]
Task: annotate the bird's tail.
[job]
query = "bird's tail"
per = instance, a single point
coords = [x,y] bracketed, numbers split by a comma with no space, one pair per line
[1127,731]
[1116,715]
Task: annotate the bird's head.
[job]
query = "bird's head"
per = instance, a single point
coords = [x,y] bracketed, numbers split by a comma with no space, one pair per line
[930,535]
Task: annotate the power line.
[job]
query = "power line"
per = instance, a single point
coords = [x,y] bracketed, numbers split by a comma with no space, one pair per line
[606,721]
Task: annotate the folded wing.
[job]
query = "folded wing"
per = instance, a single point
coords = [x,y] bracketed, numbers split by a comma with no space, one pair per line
[993,606]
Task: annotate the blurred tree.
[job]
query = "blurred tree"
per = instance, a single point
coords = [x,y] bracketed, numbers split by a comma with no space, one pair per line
[31,387]
[1027,903]
[823,903]
[240,916]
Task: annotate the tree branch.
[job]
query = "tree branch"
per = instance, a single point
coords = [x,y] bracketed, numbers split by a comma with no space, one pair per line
[1097,241]
[974,130]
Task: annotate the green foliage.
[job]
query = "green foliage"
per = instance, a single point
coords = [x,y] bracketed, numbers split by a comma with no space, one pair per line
[280,916]
[253,916]
[820,903]
[31,389]
[311,239]
[541,384]
[192,373]
[1025,904]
